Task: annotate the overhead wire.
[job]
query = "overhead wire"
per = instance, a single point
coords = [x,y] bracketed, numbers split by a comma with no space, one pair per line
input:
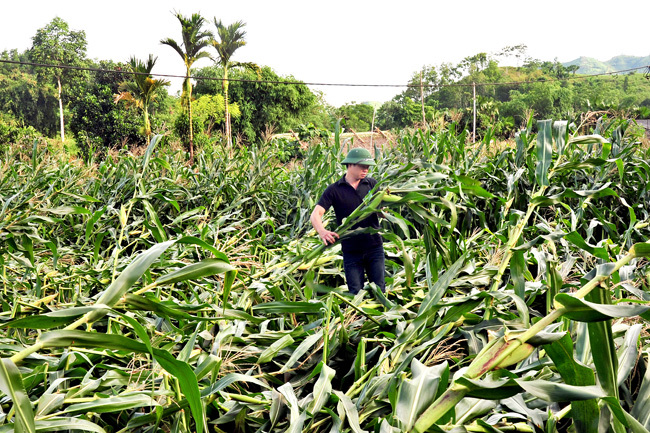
[285,82]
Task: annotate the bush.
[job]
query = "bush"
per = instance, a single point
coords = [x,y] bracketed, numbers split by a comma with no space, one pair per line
[11,132]
[287,149]
[182,131]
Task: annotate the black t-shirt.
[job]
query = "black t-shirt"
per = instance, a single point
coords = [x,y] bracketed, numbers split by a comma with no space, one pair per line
[345,199]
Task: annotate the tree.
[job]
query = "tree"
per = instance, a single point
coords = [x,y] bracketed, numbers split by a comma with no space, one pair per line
[56,44]
[264,102]
[96,121]
[142,90]
[231,38]
[357,117]
[195,39]
[23,98]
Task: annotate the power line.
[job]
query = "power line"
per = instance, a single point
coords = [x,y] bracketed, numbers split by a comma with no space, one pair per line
[437,86]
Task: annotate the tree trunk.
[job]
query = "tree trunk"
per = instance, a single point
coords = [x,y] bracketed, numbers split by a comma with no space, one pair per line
[189,111]
[225,91]
[147,124]
[58,80]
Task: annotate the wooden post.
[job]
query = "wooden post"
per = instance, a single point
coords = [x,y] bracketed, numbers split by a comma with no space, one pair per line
[372,127]
[474,122]
[424,119]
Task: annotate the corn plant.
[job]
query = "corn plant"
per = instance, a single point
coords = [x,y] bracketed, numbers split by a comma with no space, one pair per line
[142,295]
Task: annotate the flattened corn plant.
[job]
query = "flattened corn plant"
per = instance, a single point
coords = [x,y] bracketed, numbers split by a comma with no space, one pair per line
[142,295]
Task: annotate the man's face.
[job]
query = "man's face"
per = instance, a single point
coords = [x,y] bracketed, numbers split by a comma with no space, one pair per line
[358,171]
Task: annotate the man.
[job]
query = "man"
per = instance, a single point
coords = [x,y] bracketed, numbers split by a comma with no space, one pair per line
[362,253]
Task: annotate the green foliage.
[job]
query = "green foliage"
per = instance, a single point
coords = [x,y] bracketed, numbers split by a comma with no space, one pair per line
[12,133]
[310,132]
[504,272]
[356,116]
[542,88]
[181,129]
[56,44]
[24,98]
[264,105]
[142,90]
[94,116]
[211,109]
[287,149]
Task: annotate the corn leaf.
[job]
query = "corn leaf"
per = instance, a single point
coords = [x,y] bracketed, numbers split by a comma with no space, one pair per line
[544,151]
[11,384]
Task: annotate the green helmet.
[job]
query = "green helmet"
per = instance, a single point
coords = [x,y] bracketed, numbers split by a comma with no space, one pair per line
[359,155]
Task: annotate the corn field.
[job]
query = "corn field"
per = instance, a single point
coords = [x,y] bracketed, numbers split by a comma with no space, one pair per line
[140,294]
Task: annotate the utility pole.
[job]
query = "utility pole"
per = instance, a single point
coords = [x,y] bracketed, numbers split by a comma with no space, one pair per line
[424,119]
[474,122]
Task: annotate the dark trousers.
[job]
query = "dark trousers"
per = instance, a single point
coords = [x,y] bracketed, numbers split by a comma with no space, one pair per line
[359,264]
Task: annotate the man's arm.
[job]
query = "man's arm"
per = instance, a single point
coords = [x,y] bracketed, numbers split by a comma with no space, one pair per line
[316,219]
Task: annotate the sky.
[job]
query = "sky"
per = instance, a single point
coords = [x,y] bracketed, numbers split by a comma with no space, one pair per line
[383,42]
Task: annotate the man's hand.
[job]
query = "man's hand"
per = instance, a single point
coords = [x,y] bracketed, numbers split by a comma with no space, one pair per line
[317,221]
[328,237]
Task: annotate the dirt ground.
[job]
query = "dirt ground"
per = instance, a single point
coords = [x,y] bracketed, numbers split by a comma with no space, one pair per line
[368,140]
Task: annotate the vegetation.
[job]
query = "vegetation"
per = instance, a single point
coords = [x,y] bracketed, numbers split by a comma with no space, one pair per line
[95,120]
[265,107]
[508,96]
[140,294]
[142,90]
[231,38]
[195,40]
[259,103]
[56,44]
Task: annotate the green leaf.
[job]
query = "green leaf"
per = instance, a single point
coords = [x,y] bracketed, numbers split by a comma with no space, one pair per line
[271,351]
[302,348]
[281,307]
[179,369]
[416,394]
[128,277]
[195,271]
[228,281]
[351,413]
[584,311]
[68,210]
[322,390]
[603,349]
[167,309]
[191,240]
[576,239]
[60,424]
[641,249]
[440,287]
[159,231]
[11,384]
[641,409]
[559,392]
[584,413]
[492,387]
[544,151]
[113,404]
[628,353]
[623,417]
[56,318]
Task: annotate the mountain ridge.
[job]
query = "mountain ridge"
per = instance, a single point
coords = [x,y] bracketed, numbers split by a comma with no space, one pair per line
[589,65]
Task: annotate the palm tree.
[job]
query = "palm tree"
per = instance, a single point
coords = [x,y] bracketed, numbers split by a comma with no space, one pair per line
[194,41]
[142,90]
[231,38]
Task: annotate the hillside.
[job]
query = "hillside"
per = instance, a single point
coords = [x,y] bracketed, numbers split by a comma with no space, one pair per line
[589,65]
